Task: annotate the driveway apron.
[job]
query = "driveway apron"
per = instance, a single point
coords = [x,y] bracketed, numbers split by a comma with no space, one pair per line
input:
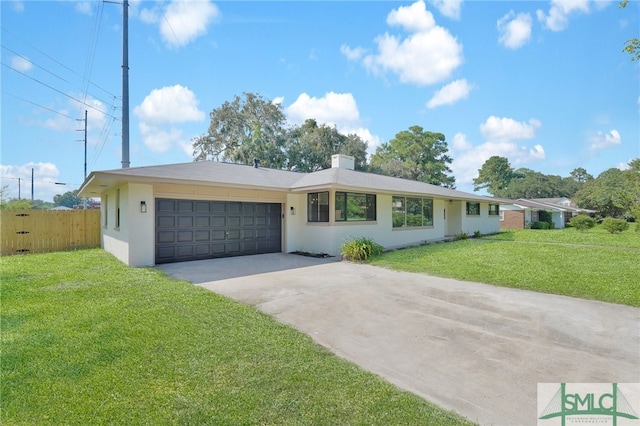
[476,349]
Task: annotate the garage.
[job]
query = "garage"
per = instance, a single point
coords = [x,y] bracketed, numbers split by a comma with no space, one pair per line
[196,229]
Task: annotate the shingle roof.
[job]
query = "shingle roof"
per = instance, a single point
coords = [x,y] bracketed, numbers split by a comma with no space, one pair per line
[213,173]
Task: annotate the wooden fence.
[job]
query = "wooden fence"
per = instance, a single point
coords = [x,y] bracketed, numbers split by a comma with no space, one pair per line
[41,231]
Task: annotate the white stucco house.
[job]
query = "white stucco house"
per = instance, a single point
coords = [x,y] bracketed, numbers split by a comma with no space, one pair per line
[207,209]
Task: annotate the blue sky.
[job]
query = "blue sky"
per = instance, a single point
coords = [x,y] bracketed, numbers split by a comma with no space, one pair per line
[543,83]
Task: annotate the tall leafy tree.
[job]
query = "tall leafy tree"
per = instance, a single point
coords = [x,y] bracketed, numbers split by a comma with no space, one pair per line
[614,193]
[68,199]
[245,129]
[495,175]
[309,147]
[531,184]
[580,175]
[415,154]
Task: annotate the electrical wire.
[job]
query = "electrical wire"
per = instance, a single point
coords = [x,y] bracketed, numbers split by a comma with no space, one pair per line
[56,90]
[38,105]
[54,74]
[57,62]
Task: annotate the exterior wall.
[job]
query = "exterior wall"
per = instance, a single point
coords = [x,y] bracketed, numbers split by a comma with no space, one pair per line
[114,238]
[133,241]
[558,219]
[327,237]
[513,219]
[140,226]
[483,222]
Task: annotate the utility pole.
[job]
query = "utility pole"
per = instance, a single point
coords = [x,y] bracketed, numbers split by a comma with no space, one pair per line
[125,84]
[19,189]
[84,202]
[32,184]
[125,81]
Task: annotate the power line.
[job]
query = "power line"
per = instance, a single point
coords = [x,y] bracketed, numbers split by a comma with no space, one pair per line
[38,105]
[52,73]
[57,62]
[56,90]
[92,49]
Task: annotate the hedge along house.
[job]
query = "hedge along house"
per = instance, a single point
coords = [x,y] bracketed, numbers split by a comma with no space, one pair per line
[207,209]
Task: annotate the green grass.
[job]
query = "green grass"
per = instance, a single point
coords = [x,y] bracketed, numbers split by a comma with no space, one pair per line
[590,264]
[87,340]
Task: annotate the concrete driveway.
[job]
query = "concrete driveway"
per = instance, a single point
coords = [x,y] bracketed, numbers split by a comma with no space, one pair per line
[476,349]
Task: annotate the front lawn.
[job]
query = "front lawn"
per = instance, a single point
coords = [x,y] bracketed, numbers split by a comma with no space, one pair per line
[591,264]
[87,340]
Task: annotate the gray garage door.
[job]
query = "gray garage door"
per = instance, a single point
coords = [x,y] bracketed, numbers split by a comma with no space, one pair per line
[192,229]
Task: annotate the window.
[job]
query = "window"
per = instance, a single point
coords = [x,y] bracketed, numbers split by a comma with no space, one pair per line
[318,207]
[411,212]
[494,209]
[501,215]
[473,209]
[106,210]
[355,207]
[117,209]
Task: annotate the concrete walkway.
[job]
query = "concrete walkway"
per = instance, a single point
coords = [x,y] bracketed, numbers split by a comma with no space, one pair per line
[476,349]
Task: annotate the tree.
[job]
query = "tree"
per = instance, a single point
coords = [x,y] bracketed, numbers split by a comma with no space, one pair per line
[495,175]
[527,183]
[417,155]
[632,46]
[243,130]
[68,199]
[309,147]
[580,175]
[613,193]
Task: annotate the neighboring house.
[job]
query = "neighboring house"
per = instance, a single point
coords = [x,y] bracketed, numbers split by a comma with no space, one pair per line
[208,209]
[518,214]
[61,208]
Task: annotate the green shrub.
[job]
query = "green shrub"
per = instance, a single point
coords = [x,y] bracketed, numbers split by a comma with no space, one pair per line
[539,225]
[582,222]
[461,236]
[360,249]
[477,234]
[615,225]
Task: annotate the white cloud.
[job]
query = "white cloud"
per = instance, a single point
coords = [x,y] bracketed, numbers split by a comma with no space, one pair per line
[352,54]
[20,63]
[449,8]
[162,108]
[18,6]
[171,104]
[515,31]
[602,140]
[428,55]
[186,20]
[450,94]
[557,19]
[45,176]
[500,136]
[507,129]
[83,7]
[333,109]
[330,109]
[158,139]
[414,18]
